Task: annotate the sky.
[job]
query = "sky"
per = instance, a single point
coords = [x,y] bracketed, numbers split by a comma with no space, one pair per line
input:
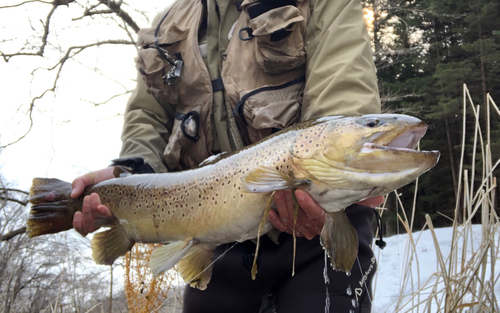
[70,134]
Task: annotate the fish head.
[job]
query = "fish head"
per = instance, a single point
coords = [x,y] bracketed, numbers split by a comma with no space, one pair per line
[360,157]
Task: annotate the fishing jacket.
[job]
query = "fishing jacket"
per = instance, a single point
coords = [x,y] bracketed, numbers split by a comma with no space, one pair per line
[217,75]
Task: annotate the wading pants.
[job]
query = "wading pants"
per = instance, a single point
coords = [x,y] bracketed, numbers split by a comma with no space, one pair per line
[232,289]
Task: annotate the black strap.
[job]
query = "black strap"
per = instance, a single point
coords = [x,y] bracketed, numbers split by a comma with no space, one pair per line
[137,165]
[380,242]
[238,5]
[264,6]
[217,84]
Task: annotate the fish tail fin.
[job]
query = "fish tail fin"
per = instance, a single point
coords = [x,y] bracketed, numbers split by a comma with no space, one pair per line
[52,208]
[108,245]
[340,241]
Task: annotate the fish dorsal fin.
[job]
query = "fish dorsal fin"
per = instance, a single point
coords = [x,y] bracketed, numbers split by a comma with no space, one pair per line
[165,257]
[196,267]
[340,241]
[213,159]
[120,171]
[266,179]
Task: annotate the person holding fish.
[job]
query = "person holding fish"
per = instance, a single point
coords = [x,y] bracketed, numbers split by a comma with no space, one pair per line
[218,75]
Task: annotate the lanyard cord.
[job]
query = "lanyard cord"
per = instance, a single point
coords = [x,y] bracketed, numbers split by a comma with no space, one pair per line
[163,53]
[380,242]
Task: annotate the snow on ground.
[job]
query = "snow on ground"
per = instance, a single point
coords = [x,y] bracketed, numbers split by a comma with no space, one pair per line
[391,262]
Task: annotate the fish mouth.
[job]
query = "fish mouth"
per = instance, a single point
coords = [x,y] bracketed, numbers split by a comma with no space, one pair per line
[404,141]
[394,151]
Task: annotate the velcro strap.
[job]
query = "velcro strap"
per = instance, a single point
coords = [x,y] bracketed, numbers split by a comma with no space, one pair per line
[217,84]
[137,165]
[264,6]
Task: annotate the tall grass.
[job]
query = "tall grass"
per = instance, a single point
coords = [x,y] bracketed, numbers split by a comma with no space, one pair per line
[467,274]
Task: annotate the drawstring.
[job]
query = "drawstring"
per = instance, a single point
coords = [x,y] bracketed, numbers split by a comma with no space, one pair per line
[380,242]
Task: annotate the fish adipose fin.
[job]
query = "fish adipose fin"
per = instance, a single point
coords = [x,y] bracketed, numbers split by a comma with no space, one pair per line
[111,244]
[196,267]
[266,179]
[165,257]
[340,241]
[52,208]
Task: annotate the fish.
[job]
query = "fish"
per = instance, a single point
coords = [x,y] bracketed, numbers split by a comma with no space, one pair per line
[337,160]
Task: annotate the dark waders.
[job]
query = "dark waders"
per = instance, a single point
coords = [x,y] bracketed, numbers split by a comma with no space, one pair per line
[231,288]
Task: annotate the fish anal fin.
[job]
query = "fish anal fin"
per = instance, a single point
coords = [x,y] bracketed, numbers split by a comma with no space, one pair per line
[109,245]
[340,241]
[165,257]
[274,234]
[266,179]
[196,266]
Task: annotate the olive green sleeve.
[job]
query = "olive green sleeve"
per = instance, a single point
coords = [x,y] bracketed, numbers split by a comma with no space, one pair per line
[340,74]
[146,128]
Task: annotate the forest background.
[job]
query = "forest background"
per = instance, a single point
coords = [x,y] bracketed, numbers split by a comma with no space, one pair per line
[66,56]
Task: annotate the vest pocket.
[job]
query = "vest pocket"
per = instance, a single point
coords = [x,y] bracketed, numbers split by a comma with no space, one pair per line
[155,66]
[187,145]
[267,109]
[279,37]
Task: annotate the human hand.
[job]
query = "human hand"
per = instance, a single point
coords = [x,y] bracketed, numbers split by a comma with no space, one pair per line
[83,222]
[311,216]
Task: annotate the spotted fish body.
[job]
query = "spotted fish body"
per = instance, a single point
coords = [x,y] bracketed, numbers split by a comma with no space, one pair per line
[337,160]
[207,203]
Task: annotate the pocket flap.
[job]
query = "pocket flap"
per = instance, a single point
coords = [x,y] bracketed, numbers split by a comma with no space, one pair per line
[274,115]
[273,109]
[276,19]
[150,61]
[173,34]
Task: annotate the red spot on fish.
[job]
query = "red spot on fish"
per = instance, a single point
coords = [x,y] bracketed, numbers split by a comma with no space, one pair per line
[51,196]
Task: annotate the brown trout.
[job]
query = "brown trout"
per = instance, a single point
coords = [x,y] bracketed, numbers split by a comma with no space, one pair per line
[337,160]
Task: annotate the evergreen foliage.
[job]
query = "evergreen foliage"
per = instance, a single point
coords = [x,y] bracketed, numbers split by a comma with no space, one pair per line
[424,52]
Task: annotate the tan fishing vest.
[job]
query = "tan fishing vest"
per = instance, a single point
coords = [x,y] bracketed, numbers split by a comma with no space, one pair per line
[262,75]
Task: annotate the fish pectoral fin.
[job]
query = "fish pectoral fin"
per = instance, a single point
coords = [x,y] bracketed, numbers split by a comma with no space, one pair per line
[165,257]
[266,179]
[108,245]
[274,234]
[196,266]
[340,241]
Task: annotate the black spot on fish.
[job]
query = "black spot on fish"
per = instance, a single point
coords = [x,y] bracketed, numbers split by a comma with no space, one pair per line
[322,193]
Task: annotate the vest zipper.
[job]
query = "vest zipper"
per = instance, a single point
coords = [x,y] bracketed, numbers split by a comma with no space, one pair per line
[239,107]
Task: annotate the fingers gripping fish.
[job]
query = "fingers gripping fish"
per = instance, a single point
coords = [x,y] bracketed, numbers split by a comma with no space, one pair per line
[337,160]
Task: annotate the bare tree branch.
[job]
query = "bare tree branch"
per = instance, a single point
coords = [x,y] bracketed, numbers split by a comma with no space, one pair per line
[25,2]
[14,200]
[90,13]
[116,8]
[4,190]
[68,55]
[12,234]
[111,98]
[46,30]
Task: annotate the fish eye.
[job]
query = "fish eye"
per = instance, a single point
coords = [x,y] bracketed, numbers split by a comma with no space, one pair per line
[373,123]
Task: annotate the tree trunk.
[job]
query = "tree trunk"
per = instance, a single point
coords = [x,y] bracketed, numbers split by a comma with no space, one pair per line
[483,72]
